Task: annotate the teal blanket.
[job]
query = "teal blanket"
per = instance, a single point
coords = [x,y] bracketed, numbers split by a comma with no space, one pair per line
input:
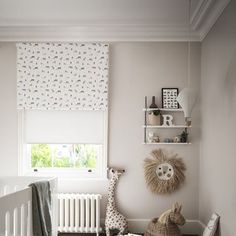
[41,208]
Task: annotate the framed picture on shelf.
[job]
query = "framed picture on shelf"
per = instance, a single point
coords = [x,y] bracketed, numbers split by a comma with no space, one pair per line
[169,96]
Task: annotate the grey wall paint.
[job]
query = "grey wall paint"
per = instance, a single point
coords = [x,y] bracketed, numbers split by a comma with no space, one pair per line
[136,70]
[218,153]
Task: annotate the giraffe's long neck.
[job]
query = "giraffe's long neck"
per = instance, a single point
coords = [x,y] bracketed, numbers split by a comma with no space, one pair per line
[111,191]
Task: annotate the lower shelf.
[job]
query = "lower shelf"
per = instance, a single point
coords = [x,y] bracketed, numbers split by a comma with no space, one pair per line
[166,143]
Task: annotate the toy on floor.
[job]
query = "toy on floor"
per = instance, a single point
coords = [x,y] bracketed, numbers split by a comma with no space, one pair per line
[167,223]
[114,219]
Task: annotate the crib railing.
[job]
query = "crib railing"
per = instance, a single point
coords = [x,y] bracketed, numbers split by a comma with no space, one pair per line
[15,214]
[16,205]
[7,189]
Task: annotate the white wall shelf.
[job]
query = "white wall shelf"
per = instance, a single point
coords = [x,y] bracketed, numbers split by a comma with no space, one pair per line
[164,135]
[162,109]
[161,143]
[166,127]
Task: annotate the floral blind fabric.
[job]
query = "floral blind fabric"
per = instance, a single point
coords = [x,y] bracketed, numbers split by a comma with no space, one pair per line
[62,76]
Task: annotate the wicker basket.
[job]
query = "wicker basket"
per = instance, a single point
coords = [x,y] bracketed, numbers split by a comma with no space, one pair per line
[157,229]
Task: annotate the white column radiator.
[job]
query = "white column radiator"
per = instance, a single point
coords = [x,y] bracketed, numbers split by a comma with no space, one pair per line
[79,213]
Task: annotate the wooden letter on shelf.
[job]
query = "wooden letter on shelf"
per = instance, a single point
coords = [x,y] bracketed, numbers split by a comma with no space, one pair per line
[167,120]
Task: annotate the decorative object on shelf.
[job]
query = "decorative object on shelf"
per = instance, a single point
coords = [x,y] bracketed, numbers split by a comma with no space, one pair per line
[167,223]
[212,225]
[163,174]
[114,219]
[154,117]
[187,100]
[168,140]
[187,96]
[177,139]
[153,138]
[169,96]
[154,105]
[184,136]
[167,120]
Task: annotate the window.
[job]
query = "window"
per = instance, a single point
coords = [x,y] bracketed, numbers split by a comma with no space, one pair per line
[77,156]
[62,98]
[63,143]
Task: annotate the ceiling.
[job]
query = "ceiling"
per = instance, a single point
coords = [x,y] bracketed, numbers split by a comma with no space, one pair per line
[107,20]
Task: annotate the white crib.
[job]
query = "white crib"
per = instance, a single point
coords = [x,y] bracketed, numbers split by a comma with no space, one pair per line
[16,208]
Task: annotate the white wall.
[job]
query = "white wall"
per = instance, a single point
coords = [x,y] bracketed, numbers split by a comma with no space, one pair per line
[218,153]
[8,113]
[137,69]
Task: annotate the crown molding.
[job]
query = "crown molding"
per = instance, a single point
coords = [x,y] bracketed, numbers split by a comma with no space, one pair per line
[96,32]
[206,14]
[199,13]
[203,18]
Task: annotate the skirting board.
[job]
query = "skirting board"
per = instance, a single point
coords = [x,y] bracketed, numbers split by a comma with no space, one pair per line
[140,225]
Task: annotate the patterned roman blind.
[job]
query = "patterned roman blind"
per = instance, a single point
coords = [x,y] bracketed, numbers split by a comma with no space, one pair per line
[62,76]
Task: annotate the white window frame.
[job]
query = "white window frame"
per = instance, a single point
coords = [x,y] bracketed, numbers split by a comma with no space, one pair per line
[25,170]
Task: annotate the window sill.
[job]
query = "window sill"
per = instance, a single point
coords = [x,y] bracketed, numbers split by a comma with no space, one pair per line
[72,174]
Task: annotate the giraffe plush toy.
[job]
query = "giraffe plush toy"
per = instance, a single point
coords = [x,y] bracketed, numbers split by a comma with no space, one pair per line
[114,219]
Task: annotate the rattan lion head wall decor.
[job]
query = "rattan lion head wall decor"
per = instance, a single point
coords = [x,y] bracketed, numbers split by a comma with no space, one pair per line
[164,174]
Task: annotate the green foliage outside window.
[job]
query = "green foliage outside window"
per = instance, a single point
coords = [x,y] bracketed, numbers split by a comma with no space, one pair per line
[63,155]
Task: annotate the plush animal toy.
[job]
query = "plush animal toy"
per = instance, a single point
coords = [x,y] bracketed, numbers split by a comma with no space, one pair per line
[166,224]
[114,219]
